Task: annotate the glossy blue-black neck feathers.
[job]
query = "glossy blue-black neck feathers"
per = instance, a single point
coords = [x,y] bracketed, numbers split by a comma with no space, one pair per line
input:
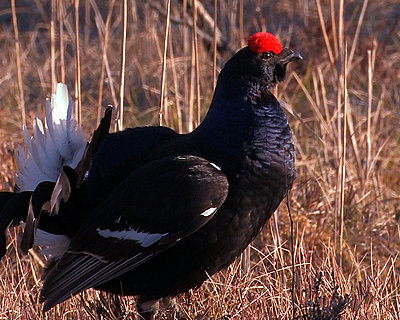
[230,119]
[244,118]
[226,125]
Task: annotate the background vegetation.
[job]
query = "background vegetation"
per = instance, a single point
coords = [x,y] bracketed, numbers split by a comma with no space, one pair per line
[343,105]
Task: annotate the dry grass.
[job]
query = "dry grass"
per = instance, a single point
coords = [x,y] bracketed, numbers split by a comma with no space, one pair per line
[346,199]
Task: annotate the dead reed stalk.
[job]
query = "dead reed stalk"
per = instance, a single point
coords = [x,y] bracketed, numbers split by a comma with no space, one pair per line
[176,85]
[163,107]
[60,10]
[78,101]
[325,34]
[343,161]
[53,46]
[215,44]
[104,32]
[357,33]
[21,100]
[371,65]
[104,54]
[196,58]
[340,139]
[122,70]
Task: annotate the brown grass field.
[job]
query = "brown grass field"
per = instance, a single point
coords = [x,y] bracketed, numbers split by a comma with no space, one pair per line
[343,103]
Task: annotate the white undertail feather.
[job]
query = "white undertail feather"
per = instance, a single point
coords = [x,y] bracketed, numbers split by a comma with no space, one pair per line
[52,245]
[54,144]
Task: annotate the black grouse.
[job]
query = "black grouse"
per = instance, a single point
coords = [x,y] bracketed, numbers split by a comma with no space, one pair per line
[147,211]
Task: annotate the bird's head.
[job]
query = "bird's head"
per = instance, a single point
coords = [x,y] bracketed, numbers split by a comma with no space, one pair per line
[262,62]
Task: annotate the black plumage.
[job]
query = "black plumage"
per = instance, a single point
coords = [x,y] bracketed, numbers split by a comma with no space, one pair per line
[159,211]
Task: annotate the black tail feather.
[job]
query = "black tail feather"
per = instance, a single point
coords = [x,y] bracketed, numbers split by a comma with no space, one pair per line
[4,198]
[69,178]
[14,208]
[98,136]
[39,202]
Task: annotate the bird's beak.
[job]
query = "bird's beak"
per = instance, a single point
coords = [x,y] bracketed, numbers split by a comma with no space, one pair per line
[289,55]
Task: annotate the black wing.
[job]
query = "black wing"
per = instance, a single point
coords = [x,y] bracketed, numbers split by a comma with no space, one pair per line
[120,154]
[152,209]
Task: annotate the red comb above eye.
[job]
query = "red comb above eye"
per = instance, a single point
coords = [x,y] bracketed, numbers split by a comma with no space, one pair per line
[264,41]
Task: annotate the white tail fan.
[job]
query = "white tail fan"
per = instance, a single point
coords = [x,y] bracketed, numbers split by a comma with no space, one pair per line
[57,143]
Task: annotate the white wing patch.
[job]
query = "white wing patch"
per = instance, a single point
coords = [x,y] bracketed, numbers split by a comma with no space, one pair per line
[208,212]
[53,245]
[215,166]
[143,238]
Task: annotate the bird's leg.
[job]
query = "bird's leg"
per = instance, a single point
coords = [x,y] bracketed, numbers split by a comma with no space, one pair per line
[172,305]
[147,308]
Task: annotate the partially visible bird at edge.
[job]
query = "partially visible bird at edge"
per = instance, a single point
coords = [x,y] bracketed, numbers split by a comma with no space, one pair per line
[146,211]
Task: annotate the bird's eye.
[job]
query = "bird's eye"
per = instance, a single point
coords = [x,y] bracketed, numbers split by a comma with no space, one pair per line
[266,55]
